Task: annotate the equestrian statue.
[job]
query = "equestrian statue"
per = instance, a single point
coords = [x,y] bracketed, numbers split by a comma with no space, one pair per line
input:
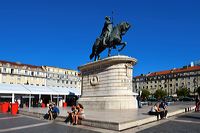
[110,38]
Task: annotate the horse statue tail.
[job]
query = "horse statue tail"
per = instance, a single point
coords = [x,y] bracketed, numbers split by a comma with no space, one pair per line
[94,48]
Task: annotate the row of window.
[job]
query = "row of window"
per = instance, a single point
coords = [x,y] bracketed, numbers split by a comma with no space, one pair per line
[67,82]
[65,72]
[176,84]
[61,76]
[171,76]
[25,83]
[19,77]
[39,85]
[166,80]
[62,86]
[32,73]
[20,71]
[165,85]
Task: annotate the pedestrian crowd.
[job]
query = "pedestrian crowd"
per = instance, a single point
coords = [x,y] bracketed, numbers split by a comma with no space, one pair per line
[74,116]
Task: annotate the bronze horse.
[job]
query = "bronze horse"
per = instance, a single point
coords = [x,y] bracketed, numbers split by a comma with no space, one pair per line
[115,39]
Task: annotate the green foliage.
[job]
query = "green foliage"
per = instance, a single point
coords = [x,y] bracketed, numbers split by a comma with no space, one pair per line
[145,93]
[198,90]
[160,94]
[182,92]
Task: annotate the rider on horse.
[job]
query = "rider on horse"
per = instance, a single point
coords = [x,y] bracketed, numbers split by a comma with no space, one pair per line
[107,28]
[110,38]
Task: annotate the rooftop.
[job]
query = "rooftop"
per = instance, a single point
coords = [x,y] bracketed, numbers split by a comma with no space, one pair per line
[18,64]
[175,70]
[31,66]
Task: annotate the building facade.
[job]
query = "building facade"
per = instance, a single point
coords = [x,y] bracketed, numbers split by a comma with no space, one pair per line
[29,84]
[60,77]
[17,73]
[169,80]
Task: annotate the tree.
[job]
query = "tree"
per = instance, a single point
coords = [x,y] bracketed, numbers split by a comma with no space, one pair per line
[160,94]
[145,93]
[182,92]
[198,91]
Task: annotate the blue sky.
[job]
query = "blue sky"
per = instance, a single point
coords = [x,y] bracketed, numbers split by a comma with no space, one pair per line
[165,34]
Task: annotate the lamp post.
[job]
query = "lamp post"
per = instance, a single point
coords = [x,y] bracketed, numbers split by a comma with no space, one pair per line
[194,81]
[168,85]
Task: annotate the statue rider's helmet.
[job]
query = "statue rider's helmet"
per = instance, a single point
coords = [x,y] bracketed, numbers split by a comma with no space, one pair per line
[107,18]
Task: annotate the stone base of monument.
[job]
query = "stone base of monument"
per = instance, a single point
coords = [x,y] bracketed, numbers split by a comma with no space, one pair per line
[107,84]
[115,102]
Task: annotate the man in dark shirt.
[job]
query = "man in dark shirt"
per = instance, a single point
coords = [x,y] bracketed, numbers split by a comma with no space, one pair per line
[163,107]
[55,111]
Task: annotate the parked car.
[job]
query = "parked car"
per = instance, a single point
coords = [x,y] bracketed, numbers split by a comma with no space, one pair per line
[144,103]
[186,99]
[152,99]
[174,99]
[170,99]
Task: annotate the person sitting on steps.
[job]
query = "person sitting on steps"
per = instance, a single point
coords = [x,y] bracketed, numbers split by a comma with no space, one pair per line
[163,107]
[155,110]
[80,115]
[55,111]
[71,114]
[50,115]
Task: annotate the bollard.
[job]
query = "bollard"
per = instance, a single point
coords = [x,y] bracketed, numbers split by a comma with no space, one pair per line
[14,108]
[64,104]
[1,107]
[43,105]
[4,107]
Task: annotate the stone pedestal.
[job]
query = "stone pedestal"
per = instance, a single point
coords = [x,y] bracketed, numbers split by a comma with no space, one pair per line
[107,84]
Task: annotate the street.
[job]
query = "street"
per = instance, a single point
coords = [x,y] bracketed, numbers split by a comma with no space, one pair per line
[25,124]
[183,123]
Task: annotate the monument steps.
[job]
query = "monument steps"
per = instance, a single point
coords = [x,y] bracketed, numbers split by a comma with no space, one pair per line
[111,124]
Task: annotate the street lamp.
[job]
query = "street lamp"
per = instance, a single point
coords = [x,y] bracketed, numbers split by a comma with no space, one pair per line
[168,85]
[194,81]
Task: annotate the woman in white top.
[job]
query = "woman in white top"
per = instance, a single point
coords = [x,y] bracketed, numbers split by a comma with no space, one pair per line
[80,115]
[155,110]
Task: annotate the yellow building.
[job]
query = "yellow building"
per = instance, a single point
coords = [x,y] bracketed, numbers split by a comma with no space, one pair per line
[40,82]
[17,73]
[60,77]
